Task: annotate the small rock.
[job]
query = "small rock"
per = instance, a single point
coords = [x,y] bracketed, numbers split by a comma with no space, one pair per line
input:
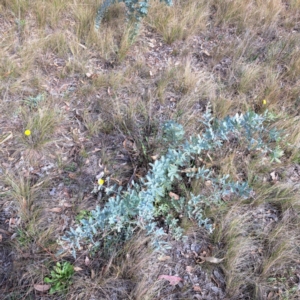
[52,192]
[195,247]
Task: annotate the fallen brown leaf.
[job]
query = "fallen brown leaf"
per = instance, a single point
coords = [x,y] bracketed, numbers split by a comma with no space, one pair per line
[87,261]
[77,269]
[72,175]
[208,183]
[42,287]
[206,53]
[274,176]
[173,195]
[173,280]
[164,258]
[66,193]
[197,288]
[5,231]
[55,209]
[154,157]
[212,259]
[12,221]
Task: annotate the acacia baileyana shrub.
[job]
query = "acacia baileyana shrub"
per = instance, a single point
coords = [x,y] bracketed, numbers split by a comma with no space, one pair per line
[146,203]
[136,10]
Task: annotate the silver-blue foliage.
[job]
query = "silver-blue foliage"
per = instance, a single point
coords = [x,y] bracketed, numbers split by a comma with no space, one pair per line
[136,10]
[138,207]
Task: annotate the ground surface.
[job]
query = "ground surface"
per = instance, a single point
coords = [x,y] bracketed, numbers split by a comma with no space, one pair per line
[94,103]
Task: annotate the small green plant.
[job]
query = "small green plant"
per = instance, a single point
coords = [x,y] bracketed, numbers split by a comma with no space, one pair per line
[72,167]
[276,154]
[33,102]
[83,214]
[136,10]
[22,238]
[61,276]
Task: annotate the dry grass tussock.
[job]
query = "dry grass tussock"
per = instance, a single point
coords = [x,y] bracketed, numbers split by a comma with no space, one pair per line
[260,254]
[96,101]
[129,274]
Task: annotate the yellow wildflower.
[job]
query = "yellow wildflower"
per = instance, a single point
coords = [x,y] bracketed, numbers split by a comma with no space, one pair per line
[27,132]
[100,181]
[264,102]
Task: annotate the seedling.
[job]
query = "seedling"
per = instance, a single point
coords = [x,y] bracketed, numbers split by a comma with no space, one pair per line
[83,214]
[33,102]
[60,277]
